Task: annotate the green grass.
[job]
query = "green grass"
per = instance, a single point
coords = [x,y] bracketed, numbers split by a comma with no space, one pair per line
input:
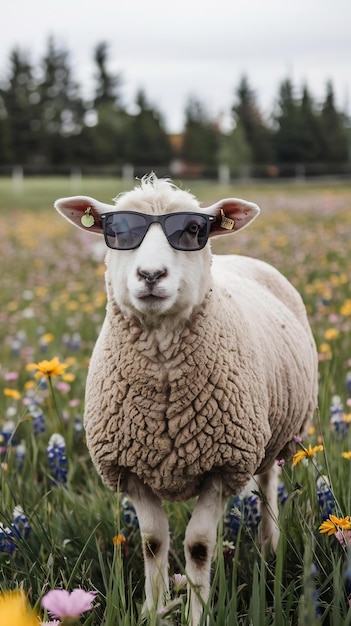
[52,283]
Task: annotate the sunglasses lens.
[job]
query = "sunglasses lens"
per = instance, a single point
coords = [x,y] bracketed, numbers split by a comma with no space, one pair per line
[124,231]
[187,231]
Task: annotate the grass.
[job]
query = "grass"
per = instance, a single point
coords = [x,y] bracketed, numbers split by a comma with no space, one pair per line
[52,304]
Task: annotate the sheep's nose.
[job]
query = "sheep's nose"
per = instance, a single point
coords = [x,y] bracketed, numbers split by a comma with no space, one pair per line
[151,277]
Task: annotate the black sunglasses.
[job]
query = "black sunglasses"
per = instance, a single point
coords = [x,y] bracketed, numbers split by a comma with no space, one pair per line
[125,230]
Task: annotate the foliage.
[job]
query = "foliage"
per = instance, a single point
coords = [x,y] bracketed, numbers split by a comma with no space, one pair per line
[71,531]
[45,121]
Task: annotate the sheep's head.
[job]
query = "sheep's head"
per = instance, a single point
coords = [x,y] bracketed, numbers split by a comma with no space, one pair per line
[158,259]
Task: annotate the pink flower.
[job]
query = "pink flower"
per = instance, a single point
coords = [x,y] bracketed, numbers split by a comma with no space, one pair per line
[56,622]
[61,603]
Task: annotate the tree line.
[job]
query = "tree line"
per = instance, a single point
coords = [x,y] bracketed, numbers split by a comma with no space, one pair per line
[45,121]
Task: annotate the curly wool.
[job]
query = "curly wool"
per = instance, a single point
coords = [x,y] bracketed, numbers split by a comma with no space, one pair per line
[226,392]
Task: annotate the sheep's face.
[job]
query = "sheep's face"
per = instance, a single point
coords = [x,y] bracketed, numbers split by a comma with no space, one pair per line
[158,260]
[155,279]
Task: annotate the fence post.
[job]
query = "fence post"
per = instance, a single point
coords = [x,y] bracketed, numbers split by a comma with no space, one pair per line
[17,179]
[224,174]
[127,173]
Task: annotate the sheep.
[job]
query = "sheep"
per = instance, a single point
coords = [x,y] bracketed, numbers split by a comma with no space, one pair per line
[203,374]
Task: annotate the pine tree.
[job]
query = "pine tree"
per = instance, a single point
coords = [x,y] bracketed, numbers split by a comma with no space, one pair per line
[19,111]
[201,137]
[287,137]
[148,143]
[335,148]
[61,107]
[258,135]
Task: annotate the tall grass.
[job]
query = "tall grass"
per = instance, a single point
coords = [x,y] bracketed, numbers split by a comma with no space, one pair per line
[76,533]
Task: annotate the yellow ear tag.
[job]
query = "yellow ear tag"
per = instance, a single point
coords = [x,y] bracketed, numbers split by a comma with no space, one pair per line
[226,222]
[87,219]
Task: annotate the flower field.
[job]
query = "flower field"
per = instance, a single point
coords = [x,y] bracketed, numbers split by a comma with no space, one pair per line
[60,528]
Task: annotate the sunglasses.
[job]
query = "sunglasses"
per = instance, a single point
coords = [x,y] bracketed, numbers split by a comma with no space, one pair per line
[125,230]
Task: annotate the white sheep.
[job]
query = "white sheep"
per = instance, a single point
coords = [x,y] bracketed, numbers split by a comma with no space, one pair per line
[204,370]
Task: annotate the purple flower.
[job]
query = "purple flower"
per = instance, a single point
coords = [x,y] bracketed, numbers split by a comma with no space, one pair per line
[61,603]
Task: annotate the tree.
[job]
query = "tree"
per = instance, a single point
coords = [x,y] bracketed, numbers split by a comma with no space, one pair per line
[288,133]
[148,143]
[61,107]
[108,85]
[234,149]
[310,130]
[335,144]
[19,111]
[257,133]
[201,136]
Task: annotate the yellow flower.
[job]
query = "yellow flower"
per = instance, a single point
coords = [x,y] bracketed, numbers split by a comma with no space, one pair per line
[346,455]
[119,540]
[47,338]
[15,610]
[12,393]
[346,308]
[48,369]
[306,453]
[68,378]
[334,524]
[331,333]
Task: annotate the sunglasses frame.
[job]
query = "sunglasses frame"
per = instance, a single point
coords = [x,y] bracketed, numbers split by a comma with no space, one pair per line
[158,219]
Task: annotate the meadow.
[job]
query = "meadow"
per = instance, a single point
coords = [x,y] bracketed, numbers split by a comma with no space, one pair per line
[60,527]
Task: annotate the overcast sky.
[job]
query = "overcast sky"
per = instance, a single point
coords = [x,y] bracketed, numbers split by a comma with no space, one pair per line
[174,49]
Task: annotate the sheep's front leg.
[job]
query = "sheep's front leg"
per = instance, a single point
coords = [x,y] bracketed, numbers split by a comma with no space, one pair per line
[269,528]
[153,525]
[199,545]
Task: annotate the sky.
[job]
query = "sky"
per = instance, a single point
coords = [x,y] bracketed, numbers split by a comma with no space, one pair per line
[192,48]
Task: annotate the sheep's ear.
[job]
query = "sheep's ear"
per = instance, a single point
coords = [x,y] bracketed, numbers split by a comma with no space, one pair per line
[231,214]
[83,212]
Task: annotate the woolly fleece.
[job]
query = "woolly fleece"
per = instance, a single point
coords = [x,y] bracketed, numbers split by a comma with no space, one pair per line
[225,392]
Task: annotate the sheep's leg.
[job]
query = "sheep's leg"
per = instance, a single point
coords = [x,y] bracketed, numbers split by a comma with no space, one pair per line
[199,545]
[269,528]
[153,525]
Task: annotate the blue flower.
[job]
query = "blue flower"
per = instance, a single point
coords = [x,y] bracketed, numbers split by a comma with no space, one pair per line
[242,511]
[19,529]
[325,497]
[37,415]
[130,515]
[56,453]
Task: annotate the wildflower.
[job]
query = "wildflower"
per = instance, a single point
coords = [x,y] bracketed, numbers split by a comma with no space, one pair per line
[56,453]
[7,541]
[38,418]
[20,454]
[344,538]
[119,540]
[243,510]
[15,610]
[348,383]
[130,515]
[346,308]
[337,417]
[54,622]
[331,334]
[48,369]
[346,455]
[12,393]
[325,497]
[61,603]
[335,524]
[306,453]
[20,523]
[11,376]
[179,581]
